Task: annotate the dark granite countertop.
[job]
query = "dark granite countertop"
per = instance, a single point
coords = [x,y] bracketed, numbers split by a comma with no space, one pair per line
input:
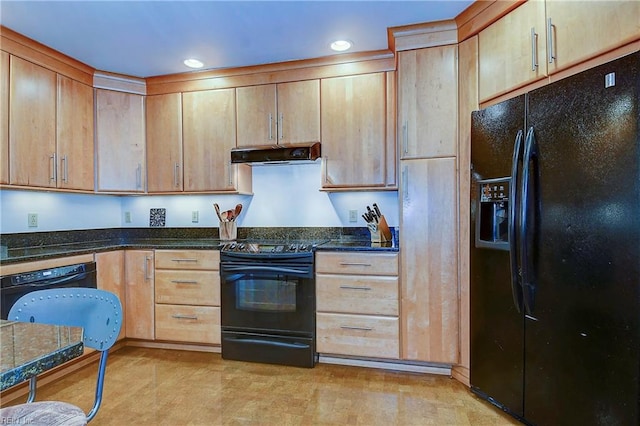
[46,245]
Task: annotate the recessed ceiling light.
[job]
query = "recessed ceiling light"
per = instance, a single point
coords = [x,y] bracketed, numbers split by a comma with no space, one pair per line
[341,45]
[193,63]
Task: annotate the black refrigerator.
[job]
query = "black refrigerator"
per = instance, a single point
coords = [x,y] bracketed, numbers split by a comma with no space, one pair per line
[555,250]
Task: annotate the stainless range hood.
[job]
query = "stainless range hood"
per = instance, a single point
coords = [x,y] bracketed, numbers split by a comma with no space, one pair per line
[277,154]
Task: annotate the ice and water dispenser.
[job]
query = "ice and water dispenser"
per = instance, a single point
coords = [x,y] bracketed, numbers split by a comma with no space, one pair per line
[492,218]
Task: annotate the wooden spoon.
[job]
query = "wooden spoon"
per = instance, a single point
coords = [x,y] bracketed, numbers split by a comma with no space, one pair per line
[224,216]
[236,213]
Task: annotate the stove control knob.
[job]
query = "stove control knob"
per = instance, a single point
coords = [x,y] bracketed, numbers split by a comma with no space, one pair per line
[292,247]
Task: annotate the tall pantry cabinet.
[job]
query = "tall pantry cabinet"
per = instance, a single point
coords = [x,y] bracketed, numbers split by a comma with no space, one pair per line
[427,139]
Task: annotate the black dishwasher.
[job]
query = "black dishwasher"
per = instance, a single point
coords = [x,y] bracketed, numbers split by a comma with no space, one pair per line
[14,286]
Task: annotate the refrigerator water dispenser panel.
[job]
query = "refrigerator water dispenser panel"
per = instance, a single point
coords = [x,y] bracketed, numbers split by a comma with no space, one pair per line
[493,214]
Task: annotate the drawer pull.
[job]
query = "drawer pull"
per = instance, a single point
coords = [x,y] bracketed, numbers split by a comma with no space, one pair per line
[179,316]
[184,260]
[354,264]
[352,287]
[350,327]
[184,282]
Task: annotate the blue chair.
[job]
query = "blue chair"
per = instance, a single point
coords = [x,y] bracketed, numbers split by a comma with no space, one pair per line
[100,315]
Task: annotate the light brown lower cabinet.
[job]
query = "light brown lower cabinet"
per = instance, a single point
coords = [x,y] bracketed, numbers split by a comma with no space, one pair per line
[139,288]
[186,323]
[110,277]
[187,296]
[357,304]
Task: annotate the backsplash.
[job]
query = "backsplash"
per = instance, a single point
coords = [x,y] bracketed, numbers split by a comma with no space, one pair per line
[283,196]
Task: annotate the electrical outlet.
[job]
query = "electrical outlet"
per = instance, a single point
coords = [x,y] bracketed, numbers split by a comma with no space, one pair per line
[353,215]
[32,220]
[195,216]
[127,217]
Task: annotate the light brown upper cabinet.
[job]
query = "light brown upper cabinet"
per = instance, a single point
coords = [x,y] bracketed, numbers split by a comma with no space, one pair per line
[75,147]
[513,50]
[539,38]
[354,131]
[164,143]
[4,117]
[280,113]
[577,31]
[32,124]
[209,134]
[427,102]
[120,141]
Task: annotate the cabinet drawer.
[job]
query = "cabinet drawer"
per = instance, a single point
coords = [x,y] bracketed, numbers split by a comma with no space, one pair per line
[188,259]
[358,263]
[357,294]
[198,324]
[357,335]
[188,287]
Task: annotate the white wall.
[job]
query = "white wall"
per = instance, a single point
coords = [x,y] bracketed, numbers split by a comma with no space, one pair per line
[284,196]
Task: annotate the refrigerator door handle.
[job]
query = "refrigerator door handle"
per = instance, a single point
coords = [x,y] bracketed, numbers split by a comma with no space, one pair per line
[526,193]
[516,289]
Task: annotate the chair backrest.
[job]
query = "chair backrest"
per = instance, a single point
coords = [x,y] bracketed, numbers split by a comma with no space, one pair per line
[98,312]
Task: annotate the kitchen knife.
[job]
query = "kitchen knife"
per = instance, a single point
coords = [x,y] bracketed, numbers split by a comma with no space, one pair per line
[377,210]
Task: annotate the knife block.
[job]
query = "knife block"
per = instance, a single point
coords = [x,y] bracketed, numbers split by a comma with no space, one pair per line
[381,233]
[228,230]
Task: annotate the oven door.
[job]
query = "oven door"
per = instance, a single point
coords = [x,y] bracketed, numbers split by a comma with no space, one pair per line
[268,297]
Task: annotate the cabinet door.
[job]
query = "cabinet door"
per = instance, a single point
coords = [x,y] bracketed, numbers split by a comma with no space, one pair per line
[209,133]
[4,117]
[110,277]
[299,111]
[120,140]
[164,143]
[139,289]
[75,135]
[353,112]
[513,50]
[582,30]
[428,102]
[32,124]
[257,115]
[429,260]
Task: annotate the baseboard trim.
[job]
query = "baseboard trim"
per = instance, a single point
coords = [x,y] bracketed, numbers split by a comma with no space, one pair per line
[443,370]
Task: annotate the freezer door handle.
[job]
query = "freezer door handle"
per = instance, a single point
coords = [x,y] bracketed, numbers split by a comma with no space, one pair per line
[516,289]
[527,222]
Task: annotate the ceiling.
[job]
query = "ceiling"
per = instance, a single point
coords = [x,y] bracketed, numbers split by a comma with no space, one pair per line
[149,38]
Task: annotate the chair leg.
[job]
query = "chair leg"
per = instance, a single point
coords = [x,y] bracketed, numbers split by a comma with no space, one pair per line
[100,383]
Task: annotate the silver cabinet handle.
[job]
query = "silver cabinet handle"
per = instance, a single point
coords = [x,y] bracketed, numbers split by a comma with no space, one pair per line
[353,287]
[405,183]
[54,168]
[534,49]
[184,282]
[279,126]
[176,171]
[65,168]
[147,269]
[180,316]
[354,264]
[325,162]
[191,259]
[349,327]
[405,137]
[270,126]
[139,176]
[230,169]
[550,54]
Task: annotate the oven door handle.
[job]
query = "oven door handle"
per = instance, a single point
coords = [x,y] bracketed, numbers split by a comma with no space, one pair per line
[276,269]
[291,345]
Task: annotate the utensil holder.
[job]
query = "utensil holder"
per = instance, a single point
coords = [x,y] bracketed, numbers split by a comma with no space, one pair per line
[380,233]
[228,230]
